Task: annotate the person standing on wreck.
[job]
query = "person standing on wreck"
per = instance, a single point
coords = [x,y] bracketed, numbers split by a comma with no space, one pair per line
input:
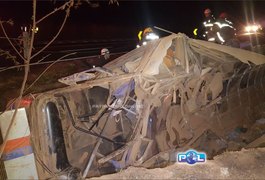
[207,26]
[225,31]
[103,57]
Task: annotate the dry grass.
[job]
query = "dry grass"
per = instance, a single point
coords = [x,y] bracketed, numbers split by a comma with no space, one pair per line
[10,81]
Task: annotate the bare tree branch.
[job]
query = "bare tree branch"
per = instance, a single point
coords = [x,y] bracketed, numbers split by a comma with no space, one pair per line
[27,61]
[93,5]
[29,57]
[36,63]
[43,58]
[114,2]
[9,38]
[7,55]
[69,4]
[1,24]
[65,18]
[46,70]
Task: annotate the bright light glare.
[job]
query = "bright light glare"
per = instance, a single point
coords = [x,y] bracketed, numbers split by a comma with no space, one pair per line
[252,28]
[248,28]
[255,28]
[152,36]
[144,43]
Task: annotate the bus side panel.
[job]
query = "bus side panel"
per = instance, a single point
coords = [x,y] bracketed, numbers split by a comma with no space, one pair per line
[18,154]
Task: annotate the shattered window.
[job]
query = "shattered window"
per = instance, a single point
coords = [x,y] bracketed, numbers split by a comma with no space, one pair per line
[55,136]
[263,75]
[92,114]
[242,68]
[244,81]
[233,85]
[225,83]
[88,102]
[252,77]
[258,79]
[237,67]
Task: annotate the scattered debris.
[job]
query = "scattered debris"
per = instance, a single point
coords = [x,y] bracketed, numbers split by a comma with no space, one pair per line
[171,95]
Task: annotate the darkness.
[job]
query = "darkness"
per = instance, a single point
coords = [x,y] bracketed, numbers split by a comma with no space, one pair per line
[123,21]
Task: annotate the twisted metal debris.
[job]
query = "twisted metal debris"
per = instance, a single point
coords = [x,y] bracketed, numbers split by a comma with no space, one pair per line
[174,94]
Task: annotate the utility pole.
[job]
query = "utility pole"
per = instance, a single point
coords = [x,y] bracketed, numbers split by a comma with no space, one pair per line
[25,40]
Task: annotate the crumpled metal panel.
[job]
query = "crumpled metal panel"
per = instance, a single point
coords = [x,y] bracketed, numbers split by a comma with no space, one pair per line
[174,94]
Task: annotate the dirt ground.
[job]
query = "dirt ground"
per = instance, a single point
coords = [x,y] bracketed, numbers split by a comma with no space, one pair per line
[244,164]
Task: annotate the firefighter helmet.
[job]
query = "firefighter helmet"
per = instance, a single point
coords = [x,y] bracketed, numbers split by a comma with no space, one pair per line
[223,15]
[207,11]
[147,30]
[104,51]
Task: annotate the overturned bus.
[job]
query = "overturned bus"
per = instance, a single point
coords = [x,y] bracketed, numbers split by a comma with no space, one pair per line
[169,96]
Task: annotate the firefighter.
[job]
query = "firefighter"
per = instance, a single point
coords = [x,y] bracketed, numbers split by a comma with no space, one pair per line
[105,53]
[225,31]
[146,35]
[208,24]
[104,56]
[147,31]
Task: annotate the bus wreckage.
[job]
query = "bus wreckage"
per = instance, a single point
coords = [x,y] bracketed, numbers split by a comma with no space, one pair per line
[169,96]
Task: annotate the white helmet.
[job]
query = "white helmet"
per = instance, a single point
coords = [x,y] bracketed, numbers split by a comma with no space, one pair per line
[104,51]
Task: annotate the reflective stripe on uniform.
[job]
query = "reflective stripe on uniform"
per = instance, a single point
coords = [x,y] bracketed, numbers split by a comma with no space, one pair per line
[223,25]
[220,37]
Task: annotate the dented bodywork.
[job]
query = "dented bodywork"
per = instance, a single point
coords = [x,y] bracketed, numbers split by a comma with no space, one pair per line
[171,95]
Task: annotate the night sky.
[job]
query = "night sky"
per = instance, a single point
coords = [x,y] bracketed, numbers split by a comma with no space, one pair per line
[127,19]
